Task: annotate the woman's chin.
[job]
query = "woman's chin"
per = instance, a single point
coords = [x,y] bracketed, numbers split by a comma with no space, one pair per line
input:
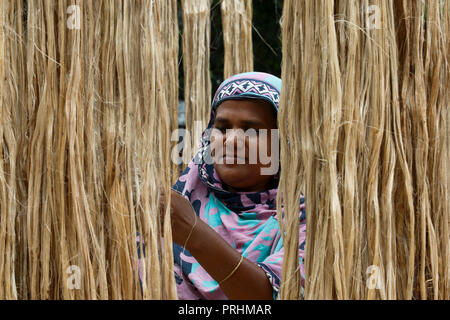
[236,174]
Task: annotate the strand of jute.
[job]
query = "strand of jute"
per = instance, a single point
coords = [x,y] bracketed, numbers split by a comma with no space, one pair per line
[197,82]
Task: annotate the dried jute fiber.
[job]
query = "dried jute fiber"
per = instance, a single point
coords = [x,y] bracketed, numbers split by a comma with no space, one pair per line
[237,36]
[364,129]
[86,114]
[170,36]
[11,84]
[197,82]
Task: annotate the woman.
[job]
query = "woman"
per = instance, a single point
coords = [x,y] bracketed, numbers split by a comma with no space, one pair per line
[227,242]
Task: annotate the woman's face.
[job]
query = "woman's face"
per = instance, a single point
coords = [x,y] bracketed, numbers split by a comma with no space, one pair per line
[242,153]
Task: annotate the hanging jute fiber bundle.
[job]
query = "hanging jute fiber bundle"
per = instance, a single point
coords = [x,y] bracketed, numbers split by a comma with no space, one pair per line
[197,82]
[237,36]
[364,126]
[169,32]
[83,154]
[11,85]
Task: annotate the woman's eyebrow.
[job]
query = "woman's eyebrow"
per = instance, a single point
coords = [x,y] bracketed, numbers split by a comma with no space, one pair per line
[222,120]
[253,123]
[243,123]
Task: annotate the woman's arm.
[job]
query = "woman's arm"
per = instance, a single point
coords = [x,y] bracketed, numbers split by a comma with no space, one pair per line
[215,255]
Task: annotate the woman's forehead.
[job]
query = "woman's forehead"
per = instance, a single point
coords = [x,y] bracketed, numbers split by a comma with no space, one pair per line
[246,109]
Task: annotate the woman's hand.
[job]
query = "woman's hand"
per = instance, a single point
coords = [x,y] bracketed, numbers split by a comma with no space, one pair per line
[182,216]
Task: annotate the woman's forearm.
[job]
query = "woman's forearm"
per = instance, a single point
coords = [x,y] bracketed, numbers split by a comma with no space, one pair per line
[215,255]
[219,259]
